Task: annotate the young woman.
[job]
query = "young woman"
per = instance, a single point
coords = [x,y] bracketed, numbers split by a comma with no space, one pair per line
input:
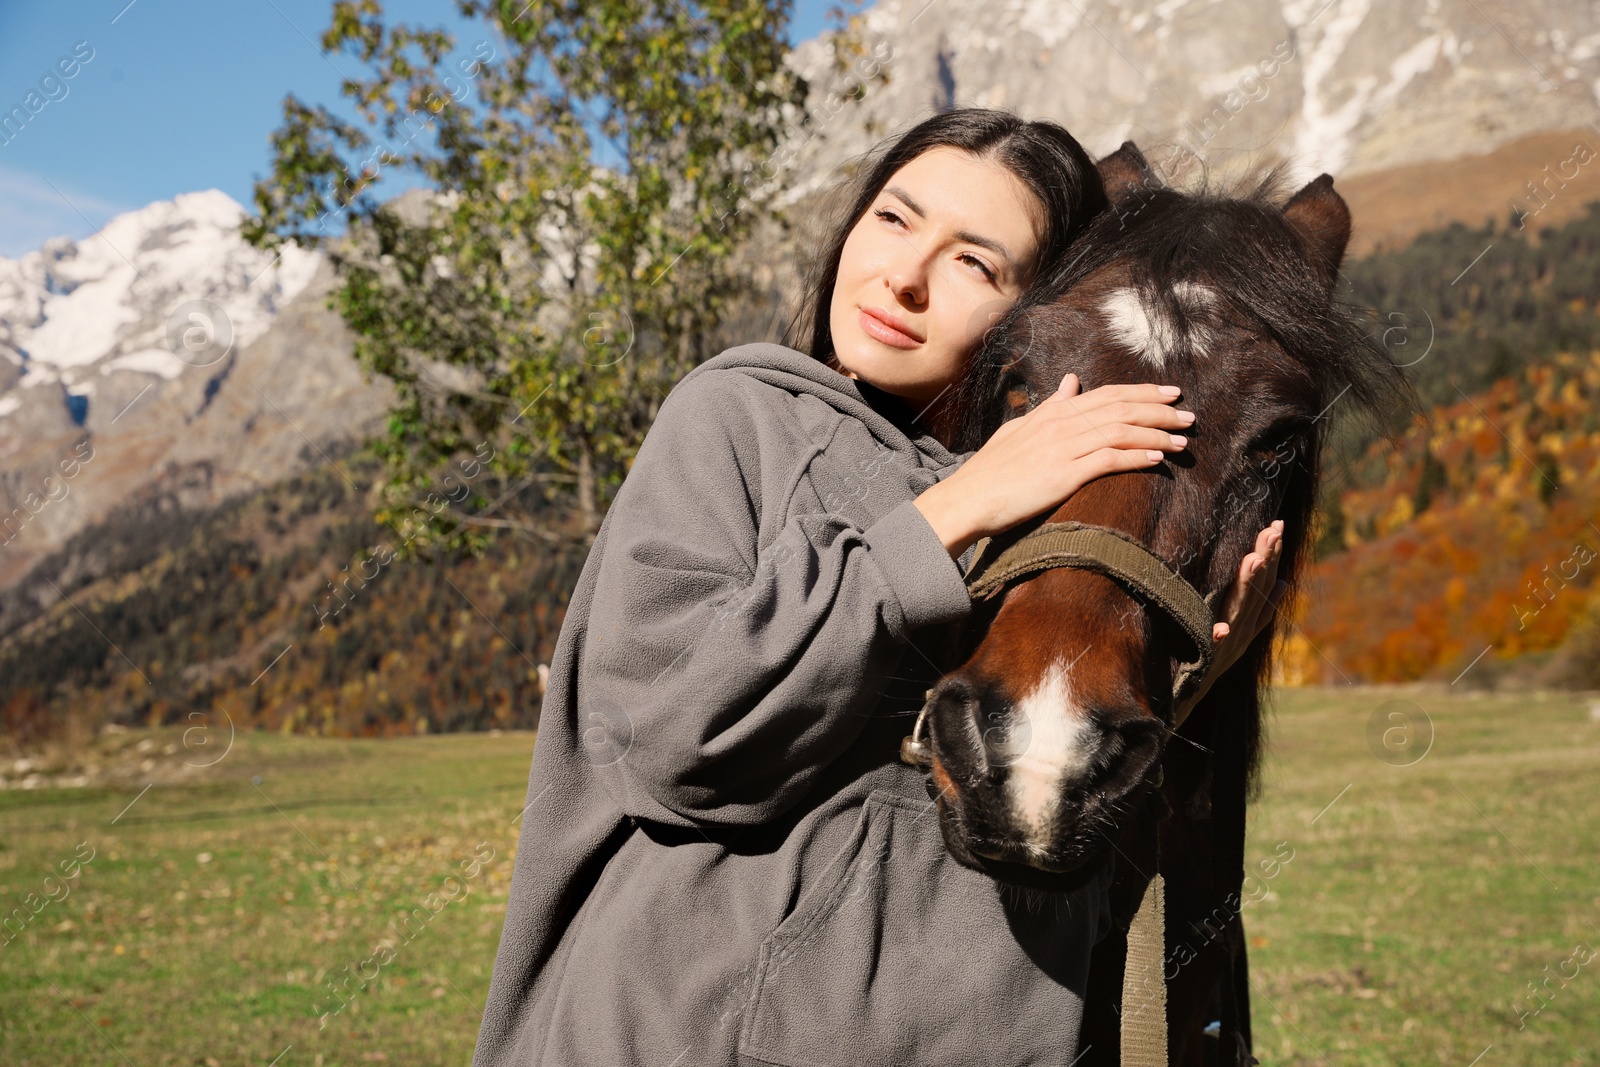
[722,860]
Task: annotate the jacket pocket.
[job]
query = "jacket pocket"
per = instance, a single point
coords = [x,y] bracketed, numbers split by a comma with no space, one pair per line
[905,957]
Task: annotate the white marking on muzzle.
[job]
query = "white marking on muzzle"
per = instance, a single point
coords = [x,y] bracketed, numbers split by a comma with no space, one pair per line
[1051,745]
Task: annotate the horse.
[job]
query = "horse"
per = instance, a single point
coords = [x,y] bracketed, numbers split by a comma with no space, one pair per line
[1051,748]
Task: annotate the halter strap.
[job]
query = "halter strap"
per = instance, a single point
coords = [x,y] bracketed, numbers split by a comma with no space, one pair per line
[1116,554]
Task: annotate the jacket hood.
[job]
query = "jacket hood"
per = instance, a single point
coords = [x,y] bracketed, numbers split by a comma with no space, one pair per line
[885,415]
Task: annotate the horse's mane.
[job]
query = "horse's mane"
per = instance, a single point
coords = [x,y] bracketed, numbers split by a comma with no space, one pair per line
[1235,234]
[1237,237]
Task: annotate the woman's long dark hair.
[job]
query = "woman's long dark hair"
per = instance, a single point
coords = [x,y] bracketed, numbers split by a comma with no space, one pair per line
[1043,156]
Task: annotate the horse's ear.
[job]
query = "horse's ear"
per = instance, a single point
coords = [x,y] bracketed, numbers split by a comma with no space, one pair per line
[1322,219]
[1126,174]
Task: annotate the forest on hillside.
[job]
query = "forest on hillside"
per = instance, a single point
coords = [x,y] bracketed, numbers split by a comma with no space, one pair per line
[286,610]
[1473,527]
[1463,307]
[1478,532]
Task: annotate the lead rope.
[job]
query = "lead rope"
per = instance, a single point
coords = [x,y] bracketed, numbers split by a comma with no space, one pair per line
[1144,981]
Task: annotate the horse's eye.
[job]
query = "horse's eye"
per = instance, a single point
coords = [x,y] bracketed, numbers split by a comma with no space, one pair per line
[1017,396]
[1281,438]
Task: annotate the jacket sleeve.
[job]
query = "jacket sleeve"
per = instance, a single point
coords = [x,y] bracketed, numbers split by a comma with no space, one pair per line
[727,673]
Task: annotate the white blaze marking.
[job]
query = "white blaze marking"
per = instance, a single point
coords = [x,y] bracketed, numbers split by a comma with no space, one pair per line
[1194,294]
[1137,326]
[1052,744]
[1200,302]
[1141,326]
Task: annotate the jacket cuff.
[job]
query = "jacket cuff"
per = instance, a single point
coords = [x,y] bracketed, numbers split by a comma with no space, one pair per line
[919,569]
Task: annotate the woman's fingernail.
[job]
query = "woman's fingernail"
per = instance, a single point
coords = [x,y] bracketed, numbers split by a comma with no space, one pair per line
[1153,454]
[1178,440]
[1185,416]
[1171,390]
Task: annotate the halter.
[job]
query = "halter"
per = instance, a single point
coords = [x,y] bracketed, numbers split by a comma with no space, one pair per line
[1118,555]
[1113,553]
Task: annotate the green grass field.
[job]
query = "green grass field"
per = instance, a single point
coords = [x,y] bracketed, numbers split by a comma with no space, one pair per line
[1419,907]
[1422,909]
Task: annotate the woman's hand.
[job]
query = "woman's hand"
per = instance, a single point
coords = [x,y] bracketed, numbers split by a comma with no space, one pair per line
[1249,605]
[1036,461]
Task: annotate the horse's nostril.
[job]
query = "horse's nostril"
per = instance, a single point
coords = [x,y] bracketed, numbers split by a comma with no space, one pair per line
[1138,746]
[952,712]
[952,694]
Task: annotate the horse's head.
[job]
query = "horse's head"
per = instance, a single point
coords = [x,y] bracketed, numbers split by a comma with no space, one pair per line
[1055,723]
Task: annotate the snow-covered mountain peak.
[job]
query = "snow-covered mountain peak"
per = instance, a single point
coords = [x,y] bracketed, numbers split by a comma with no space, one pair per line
[163,361]
[127,298]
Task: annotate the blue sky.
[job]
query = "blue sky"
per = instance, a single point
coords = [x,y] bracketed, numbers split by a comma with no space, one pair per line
[175,95]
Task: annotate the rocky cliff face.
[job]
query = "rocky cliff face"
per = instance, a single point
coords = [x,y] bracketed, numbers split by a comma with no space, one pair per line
[1344,86]
[162,354]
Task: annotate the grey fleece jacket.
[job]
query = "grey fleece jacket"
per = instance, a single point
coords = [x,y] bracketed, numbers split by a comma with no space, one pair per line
[722,860]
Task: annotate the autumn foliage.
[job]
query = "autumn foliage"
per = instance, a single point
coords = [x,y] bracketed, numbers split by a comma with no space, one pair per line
[1478,532]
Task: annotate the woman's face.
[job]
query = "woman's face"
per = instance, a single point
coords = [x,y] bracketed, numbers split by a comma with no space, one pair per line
[945,248]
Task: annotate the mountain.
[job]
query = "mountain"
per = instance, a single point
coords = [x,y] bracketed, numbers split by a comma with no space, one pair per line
[172,399]
[1351,87]
[163,357]
[285,609]
[1392,207]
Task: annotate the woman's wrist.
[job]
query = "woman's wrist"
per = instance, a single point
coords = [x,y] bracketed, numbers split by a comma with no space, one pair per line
[949,519]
